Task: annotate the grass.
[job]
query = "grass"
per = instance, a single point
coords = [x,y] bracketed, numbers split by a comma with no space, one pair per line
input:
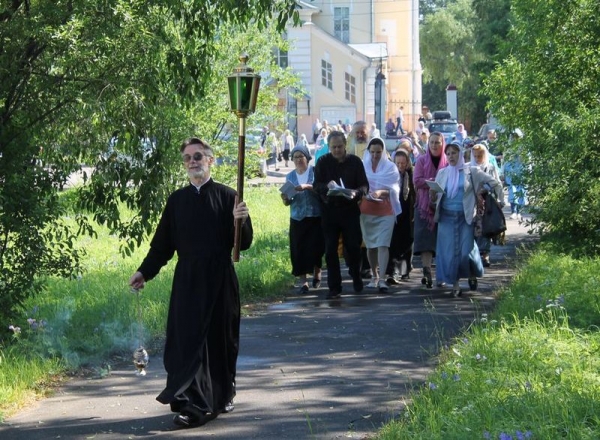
[85,322]
[529,370]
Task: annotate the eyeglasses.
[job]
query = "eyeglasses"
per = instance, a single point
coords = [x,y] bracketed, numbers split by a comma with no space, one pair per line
[298,157]
[197,157]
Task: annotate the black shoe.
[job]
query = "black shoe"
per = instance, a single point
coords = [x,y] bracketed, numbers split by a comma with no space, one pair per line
[405,277]
[473,283]
[486,262]
[357,284]
[189,420]
[304,289]
[333,294]
[392,281]
[316,283]
[228,408]
[456,293]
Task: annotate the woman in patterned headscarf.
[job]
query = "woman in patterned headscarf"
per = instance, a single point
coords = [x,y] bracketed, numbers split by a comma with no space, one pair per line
[426,168]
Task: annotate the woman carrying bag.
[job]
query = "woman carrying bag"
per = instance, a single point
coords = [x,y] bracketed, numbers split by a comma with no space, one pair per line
[457,254]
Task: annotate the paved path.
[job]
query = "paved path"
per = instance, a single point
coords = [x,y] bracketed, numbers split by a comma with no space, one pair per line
[309,368]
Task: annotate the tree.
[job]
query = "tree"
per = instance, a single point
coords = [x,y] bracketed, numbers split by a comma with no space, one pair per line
[74,74]
[428,7]
[448,54]
[461,43]
[548,87]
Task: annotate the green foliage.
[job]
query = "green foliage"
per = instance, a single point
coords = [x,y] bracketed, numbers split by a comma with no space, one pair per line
[89,318]
[461,41]
[449,57]
[76,73]
[555,49]
[530,370]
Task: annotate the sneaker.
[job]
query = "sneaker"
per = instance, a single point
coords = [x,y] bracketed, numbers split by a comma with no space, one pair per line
[513,216]
[519,217]
[391,281]
[373,284]
[383,287]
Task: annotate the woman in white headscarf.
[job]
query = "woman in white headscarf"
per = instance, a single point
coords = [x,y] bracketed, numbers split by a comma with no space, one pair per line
[480,158]
[457,254]
[379,209]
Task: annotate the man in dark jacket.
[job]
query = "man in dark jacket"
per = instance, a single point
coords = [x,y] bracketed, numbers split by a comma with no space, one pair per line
[341,214]
[204,312]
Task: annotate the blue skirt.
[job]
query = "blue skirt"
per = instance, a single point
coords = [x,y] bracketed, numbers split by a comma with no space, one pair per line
[457,254]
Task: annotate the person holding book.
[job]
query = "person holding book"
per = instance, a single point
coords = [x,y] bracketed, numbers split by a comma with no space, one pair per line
[341,182]
[307,244]
[457,254]
[379,209]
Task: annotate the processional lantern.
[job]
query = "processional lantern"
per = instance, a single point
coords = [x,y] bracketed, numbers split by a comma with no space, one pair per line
[243,92]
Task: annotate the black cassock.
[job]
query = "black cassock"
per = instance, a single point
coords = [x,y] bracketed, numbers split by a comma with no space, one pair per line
[204,312]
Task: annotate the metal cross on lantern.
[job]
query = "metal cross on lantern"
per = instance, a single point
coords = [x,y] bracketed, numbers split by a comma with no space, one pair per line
[243,91]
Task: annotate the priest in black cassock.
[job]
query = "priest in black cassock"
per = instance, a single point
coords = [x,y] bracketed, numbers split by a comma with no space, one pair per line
[204,313]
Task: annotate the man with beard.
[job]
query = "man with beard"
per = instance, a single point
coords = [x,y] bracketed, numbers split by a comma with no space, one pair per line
[202,337]
[357,139]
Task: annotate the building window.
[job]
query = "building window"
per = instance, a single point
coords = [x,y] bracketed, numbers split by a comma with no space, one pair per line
[341,24]
[350,88]
[326,74]
[281,58]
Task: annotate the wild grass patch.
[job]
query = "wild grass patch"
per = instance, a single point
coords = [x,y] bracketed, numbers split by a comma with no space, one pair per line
[528,370]
[87,320]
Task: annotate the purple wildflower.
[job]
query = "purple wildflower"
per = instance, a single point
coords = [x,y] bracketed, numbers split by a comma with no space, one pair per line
[432,386]
[505,436]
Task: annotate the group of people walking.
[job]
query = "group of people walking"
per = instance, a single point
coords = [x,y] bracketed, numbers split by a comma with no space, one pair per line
[346,202]
[366,198]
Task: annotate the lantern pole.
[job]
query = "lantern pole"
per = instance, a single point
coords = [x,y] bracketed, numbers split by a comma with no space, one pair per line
[240,184]
[243,92]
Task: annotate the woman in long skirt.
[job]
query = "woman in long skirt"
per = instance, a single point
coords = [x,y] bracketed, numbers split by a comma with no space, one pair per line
[457,254]
[401,247]
[426,168]
[307,244]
